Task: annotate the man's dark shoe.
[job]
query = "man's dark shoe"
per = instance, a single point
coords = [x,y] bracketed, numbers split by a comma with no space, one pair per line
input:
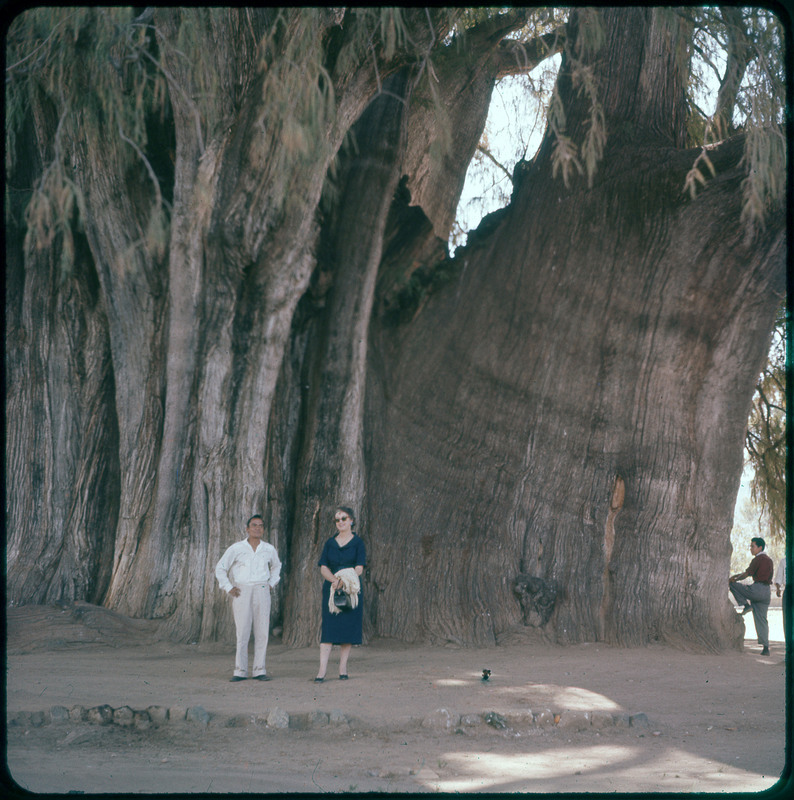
[262,677]
[236,678]
[747,608]
[765,651]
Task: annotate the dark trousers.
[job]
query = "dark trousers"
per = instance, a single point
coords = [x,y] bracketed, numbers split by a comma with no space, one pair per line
[758,595]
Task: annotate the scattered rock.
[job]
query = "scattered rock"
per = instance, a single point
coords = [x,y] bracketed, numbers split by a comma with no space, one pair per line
[601,719]
[278,718]
[124,716]
[177,713]
[199,715]
[37,719]
[59,714]
[317,719]
[99,715]
[299,722]
[545,718]
[337,717]
[495,720]
[241,721]
[157,714]
[441,720]
[520,719]
[142,721]
[574,720]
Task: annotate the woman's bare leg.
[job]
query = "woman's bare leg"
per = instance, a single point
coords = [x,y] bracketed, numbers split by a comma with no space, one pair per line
[325,652]
[344,652]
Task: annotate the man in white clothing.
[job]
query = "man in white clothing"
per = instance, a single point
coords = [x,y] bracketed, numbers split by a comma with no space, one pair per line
[247,571]
[780,585]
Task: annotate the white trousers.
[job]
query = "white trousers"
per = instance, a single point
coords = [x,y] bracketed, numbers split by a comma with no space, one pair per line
[251,610]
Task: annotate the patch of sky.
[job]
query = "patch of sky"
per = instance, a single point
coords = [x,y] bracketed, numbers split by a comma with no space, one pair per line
[513,132]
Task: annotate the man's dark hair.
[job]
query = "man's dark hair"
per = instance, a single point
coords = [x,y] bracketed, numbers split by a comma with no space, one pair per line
[256,516]
[759,542]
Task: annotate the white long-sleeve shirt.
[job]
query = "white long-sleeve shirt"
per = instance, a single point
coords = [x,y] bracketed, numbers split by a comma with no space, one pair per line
[780,572]
[241,565]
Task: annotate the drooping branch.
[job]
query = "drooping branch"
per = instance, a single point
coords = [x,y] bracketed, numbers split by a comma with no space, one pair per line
[739,53]
[515,57]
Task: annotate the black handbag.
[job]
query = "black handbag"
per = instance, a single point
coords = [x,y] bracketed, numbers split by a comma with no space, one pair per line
[342,600]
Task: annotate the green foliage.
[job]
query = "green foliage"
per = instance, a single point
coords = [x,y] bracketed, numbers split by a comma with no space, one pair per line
[102,72]
[567,155]
[749,521]
[107,73]
[737,83]
[765,441]
[298,100]
[86,65]
[706,39]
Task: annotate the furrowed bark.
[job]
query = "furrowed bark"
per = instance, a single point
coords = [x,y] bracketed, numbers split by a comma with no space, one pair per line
[566,431]
[557,412]
[330,467]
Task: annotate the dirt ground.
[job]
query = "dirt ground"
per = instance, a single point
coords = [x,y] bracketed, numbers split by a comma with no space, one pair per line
[716,723]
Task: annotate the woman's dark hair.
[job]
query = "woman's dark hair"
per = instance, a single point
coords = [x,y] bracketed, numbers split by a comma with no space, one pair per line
[349,512]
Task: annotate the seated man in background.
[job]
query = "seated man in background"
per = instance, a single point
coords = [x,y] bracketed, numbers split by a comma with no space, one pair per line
[755,596]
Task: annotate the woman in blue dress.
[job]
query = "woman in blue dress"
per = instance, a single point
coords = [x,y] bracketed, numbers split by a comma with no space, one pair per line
[345,549]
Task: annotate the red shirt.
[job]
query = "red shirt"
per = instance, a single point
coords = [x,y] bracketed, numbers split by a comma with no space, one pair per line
[761,569]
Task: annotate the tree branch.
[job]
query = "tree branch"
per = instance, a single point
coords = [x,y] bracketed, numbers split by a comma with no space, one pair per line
[738,56]
[487,153]
[516,58]
[497,27]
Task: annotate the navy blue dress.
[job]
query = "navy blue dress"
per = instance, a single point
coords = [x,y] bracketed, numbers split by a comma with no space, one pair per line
[344,628]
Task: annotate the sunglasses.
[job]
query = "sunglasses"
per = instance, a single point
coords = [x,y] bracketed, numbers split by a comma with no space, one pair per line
[341,519]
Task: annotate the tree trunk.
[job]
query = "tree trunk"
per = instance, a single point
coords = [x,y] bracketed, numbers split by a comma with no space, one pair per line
[62,470]
[330,465]
[582,426]
[545,430]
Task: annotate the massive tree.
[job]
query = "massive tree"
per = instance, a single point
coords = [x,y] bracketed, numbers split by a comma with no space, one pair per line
[229,291]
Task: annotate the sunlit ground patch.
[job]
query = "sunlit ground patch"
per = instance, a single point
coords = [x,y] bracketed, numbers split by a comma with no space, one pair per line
[613,768]
[491,771]
[573,698]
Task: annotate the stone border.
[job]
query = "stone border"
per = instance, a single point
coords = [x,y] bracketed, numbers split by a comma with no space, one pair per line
[440,720]
[158,716]
[544,719]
